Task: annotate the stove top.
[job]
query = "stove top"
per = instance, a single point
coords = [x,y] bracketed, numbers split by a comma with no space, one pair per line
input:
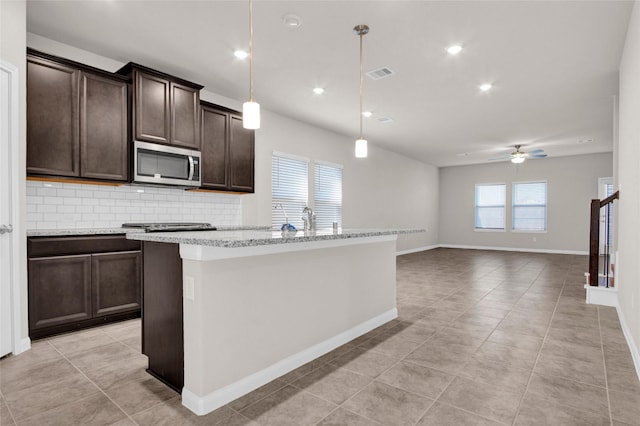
[171,226]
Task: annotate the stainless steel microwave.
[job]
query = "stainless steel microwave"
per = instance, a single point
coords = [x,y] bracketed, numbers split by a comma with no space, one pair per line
[165,165]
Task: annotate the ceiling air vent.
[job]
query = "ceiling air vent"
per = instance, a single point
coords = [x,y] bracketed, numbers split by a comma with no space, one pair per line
[384,119]
[379,73]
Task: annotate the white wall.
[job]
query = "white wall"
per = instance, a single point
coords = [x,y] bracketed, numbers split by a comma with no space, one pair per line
[13,35]
[571,183]
[382,191]
[629,185]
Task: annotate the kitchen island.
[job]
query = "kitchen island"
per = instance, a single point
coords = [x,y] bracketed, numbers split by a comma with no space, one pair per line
[256,304]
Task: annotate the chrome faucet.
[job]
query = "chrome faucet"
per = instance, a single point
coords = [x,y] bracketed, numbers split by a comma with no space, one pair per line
[309,220]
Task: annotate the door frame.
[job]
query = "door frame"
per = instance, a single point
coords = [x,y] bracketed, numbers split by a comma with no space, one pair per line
[18,235]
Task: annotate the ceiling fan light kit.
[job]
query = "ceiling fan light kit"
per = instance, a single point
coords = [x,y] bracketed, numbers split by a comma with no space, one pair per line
[518,157]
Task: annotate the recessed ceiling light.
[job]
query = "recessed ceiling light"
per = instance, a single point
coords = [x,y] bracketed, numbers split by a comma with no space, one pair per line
[241,54]
[485,87]
[367,114]
[318,90]
[455,49]
[291,21]
[584,141]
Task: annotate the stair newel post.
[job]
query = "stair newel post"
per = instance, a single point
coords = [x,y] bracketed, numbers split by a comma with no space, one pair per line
[594,242]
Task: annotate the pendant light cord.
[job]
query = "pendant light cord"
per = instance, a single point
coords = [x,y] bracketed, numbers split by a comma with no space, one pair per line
[361,83]
[251,51]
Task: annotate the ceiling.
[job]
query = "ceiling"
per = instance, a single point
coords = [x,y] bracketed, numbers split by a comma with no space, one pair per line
[553,65]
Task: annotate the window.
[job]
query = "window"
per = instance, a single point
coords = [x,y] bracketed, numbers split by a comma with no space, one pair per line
[529,206]
[289,189]
[327,194]
[490,201]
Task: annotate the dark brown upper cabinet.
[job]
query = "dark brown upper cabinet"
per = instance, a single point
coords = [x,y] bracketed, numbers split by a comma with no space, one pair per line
[77,120]
[241,156]
[227,150]
[104,152]
[165,108]
[215,148]
[53,124]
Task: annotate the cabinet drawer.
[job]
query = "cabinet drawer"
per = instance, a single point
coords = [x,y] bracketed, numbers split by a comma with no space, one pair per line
[59,246]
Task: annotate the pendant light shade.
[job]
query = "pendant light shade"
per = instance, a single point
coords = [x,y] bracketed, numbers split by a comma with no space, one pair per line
[361,142]
[251,109]
[361,148]
[251,115]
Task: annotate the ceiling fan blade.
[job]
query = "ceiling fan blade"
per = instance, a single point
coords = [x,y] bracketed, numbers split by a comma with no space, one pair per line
[504,157]
[538,156]
[536,151]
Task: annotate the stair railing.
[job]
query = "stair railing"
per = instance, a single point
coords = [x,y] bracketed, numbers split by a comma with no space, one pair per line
[594,240]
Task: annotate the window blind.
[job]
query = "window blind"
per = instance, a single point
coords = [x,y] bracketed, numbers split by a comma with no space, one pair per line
[490,206]
[327,195]
[289,189]
[529,206]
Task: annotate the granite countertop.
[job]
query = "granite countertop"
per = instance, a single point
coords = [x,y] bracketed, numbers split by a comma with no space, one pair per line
[109,231]
[263,237]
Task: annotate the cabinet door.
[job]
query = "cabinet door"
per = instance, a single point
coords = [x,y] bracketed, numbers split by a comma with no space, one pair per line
[103,128]
[185,103]
[53,145]
[152,108]
[59,290]
[215,136]
[241,156]
[116,282]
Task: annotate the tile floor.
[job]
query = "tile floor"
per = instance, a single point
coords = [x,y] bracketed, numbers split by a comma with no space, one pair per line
[483,338]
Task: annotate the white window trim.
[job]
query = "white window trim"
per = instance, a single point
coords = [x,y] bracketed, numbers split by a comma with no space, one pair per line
[328,163]
[475,206]
[291,156]
[546,197]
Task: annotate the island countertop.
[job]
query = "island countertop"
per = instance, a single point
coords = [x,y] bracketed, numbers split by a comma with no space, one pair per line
[109,231]
[255,237]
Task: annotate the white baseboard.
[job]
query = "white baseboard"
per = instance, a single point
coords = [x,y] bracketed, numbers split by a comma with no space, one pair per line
[416,250]
[528,250]
[602,295]
[635,351]
[22,346]
[202,405]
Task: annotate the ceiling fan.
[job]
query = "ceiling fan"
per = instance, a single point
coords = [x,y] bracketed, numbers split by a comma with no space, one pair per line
[518,156]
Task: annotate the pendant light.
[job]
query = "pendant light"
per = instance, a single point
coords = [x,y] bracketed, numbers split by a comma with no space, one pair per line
[251,109]
[361,142]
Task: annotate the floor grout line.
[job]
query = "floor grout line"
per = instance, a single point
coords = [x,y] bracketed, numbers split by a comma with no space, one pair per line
[535,364]
[604,363]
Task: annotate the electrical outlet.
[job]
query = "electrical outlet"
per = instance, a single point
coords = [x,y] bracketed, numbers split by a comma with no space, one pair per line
[188,290]
[535,239]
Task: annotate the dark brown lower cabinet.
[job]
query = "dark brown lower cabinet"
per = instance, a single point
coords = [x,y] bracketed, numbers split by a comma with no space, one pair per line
[111,282]
[162,322]
[59,290]
[80,282]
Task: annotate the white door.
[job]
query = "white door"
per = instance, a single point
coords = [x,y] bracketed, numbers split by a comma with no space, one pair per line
[8,112]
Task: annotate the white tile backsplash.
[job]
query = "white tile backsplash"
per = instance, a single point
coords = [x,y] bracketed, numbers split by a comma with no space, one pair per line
[53,205]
